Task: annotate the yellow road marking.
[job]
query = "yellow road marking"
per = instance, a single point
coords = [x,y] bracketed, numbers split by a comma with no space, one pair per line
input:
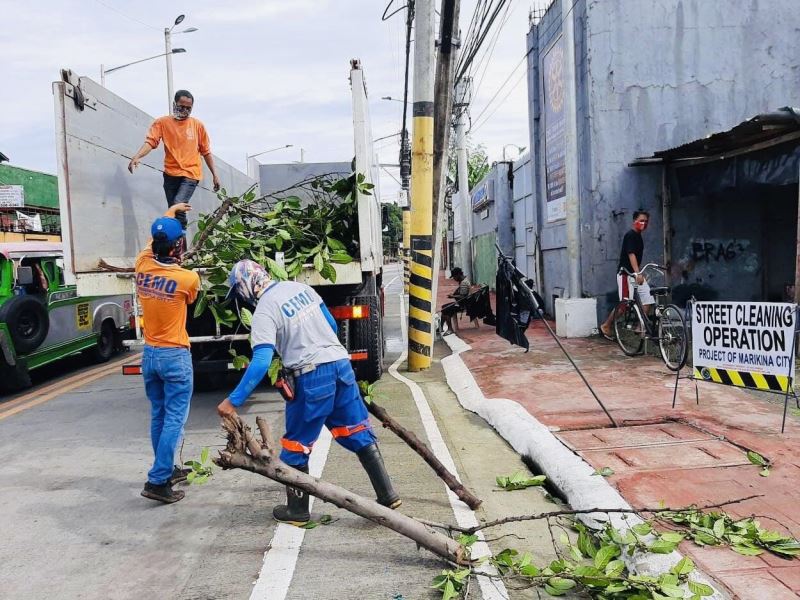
[54,390]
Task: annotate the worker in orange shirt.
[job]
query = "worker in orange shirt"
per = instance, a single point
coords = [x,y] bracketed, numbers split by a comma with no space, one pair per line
[185,141]
[165,290]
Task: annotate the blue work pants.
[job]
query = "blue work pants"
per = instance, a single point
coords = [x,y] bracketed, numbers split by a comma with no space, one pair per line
[168,380]
[327,396]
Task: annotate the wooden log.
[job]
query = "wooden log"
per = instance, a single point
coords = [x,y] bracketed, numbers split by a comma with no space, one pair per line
[416,444]
[243,451]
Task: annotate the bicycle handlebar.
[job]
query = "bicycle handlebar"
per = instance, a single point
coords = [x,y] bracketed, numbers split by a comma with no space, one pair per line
[661,268]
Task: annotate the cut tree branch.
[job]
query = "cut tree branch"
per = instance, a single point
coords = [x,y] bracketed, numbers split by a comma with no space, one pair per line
[583,511]
[410,438]
[243,451]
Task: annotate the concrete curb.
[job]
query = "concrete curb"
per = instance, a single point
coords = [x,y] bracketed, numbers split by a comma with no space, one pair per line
[565,469]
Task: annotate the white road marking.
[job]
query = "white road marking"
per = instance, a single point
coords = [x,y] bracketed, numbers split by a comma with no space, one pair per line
[280,559]
[491,589]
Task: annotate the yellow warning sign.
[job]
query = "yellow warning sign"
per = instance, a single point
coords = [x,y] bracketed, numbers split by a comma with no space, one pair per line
[83,316]
[746,379]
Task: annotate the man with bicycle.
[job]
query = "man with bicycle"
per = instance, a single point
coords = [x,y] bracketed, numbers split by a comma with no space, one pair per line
[630,259]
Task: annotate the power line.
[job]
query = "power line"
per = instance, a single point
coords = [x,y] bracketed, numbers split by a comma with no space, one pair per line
[499,104]
[502,85]
[487,56]
[130,18]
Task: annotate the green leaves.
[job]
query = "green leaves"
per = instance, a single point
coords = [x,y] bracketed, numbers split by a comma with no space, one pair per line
[320,231]
[201,470]
[604,472]
[274,370]
[744,536]
[451,582]
[757,459]
[518,481]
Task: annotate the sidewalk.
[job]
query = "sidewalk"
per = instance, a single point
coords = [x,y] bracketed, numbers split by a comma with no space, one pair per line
[694,454]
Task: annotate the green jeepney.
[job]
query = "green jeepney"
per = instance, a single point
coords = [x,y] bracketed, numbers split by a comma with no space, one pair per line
[43,320]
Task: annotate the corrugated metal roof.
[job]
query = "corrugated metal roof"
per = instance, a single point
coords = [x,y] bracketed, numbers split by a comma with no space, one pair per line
[760,129]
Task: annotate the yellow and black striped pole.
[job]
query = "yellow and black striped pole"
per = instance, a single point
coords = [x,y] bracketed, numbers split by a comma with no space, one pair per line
[420,295]
[406,246]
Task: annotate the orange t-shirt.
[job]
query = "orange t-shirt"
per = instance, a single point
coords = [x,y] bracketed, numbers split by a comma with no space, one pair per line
[165,291]
[184,143]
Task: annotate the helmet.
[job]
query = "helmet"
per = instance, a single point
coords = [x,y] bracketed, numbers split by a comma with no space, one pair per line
[247,280]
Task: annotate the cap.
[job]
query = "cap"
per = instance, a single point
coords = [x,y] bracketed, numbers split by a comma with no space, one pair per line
[167,228]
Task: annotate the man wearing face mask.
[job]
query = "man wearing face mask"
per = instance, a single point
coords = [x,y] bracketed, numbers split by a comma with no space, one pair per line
[630,259]
[185,141]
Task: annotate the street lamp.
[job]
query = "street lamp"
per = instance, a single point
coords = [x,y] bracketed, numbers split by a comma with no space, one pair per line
[520,150]
[168,54]
[390,98]
[249,156]
[104,71]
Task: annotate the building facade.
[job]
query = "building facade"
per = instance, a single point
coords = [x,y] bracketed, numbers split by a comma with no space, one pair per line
[651,76]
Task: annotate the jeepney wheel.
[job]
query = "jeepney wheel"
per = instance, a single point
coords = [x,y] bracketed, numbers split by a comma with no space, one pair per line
[27,321]
[107,342]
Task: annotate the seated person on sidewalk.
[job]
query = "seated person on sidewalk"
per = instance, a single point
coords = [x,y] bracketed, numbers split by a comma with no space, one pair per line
[450,311]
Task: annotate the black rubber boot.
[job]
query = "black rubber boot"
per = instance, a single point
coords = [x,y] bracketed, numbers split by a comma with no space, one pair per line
[372,461]
[295,511]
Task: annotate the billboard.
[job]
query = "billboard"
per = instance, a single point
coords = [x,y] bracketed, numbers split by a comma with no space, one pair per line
[555,142]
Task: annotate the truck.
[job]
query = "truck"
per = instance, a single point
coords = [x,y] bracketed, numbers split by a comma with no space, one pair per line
[106,213]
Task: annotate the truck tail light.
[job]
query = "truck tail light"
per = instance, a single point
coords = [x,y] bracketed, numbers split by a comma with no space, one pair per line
[356,311]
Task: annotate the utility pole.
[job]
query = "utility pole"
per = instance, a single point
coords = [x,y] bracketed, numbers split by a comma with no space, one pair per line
[571,156]
[443,107]
[462,100]
[420,315]
[405,158]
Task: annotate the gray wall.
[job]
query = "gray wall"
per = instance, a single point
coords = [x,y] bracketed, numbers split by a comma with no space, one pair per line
[275,177]
[650,76]
[500,209]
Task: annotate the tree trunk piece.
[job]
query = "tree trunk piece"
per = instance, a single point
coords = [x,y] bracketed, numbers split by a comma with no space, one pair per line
[245,452]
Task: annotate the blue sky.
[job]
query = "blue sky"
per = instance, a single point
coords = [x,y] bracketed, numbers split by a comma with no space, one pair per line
[264,73]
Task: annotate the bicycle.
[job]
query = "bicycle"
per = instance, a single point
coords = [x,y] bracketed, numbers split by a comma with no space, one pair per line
[667,325]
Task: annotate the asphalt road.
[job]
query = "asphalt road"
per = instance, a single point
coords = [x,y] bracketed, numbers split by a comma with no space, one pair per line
[72,524]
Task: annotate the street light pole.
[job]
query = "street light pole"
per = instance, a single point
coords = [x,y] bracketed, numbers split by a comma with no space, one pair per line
[168,50]
[104,71]
[249,157]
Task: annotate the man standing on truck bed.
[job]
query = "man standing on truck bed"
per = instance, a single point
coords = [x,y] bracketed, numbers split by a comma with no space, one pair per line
[185,141]
[165,290]
[291,318]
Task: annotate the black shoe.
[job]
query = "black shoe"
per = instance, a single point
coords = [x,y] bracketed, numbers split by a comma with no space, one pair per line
[163,493]
[295,511]
[372,461]
[179,475]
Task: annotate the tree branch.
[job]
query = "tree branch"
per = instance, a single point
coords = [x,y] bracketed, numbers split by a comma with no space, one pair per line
[584,511]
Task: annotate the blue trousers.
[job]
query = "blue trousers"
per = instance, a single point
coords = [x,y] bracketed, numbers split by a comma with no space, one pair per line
[327,396]
[179,189]
[168,380]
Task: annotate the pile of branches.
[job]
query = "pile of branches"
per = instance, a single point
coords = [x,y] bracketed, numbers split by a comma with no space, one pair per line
[316,232]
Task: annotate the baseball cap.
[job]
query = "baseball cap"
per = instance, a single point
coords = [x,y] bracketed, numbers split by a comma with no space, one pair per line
[166,228]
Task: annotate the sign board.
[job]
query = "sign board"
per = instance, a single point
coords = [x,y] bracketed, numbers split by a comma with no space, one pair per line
[745,344]
[12,196]
[555,142]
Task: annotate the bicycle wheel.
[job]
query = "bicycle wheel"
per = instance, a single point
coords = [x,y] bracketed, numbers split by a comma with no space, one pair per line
[672,337]
[629,327]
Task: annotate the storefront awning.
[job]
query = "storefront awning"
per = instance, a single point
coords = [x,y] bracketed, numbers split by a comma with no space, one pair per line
[761,132]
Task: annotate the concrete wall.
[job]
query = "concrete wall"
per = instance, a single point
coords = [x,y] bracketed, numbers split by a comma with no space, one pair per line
[649,76]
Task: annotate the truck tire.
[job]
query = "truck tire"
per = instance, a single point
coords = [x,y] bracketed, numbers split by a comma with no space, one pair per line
[367,334]
[107,342]
[27,321]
